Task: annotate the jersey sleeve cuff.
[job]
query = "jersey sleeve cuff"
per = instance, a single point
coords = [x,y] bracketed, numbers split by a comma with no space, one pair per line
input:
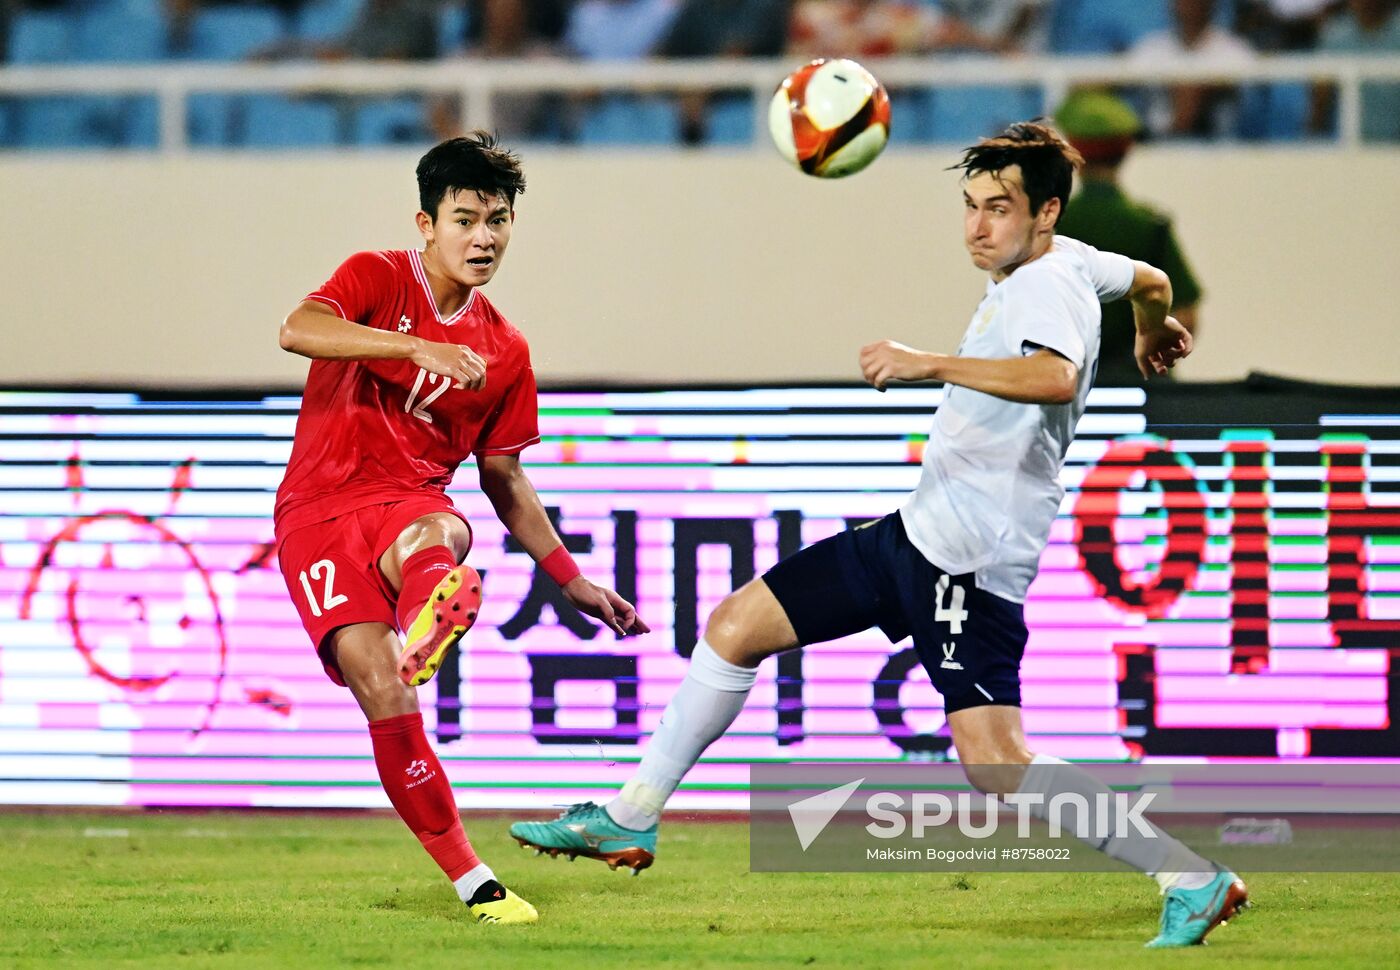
[329,302]
[509,449]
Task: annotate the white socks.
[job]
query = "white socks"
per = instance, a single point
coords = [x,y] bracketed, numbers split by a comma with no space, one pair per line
[1172,864]
[473,879]
[706,703]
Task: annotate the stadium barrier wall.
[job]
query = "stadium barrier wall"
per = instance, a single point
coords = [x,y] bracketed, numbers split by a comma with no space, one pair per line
[647,267]
[1223,581]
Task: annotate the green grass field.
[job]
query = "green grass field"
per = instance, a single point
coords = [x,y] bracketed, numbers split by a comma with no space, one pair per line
[175,889]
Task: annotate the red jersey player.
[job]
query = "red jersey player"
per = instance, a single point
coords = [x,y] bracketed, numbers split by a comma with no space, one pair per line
[412,371]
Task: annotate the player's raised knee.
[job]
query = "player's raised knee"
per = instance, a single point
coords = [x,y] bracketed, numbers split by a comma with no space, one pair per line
[749,625]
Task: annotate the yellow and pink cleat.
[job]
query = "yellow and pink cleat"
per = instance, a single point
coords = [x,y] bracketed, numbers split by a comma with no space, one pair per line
[444,619]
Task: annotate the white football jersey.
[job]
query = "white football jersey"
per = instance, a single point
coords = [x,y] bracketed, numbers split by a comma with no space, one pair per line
[990,487]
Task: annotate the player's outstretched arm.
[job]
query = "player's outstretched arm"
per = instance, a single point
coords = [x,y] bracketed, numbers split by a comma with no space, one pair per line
[314,330]
[519,508]
[1043,377]
[1161,339]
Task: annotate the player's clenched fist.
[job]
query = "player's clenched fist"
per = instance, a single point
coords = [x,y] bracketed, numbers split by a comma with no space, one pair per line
[888,360]
[457,362]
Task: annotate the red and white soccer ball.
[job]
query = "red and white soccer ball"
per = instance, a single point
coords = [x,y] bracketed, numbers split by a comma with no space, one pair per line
[830,118]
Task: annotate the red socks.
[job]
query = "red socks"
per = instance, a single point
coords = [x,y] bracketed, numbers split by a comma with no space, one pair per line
[421,572]
[419,791]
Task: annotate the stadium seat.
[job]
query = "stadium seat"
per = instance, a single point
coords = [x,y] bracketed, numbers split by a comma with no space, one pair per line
[963,114]
[390,121]
[40,37]
[117,31]
[59,121]
[232,33]
[453,21]
[322,21]
[1274,112]
[624,119]
[910,116]
[210,119]
[1104,26]
[729,120]
[8,112]
[277,121]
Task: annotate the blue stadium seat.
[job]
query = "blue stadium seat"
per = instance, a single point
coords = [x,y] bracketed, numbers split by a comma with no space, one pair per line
[138,122]
[625,119]
[131,31]
[964,114]
[391,121]
[1274,112]
[8,125]
[60,121]
[276,121]
[729,120]
[1104,26]
[910,115]
[232,33]
[211,119]
[453,21]
[40,37]
[327,20]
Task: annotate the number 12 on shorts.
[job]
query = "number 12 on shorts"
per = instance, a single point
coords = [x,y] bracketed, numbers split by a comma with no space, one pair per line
[953,614]
[330,599]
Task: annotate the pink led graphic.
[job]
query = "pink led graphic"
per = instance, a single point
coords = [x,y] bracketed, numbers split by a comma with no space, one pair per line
[149,653]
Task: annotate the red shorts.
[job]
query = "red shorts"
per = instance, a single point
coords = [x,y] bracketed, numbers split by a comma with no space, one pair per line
[332,568]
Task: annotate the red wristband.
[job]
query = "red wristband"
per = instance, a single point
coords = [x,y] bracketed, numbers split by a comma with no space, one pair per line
[560,566]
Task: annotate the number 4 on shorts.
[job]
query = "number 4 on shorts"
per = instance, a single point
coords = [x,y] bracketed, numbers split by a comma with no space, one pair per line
[953,614]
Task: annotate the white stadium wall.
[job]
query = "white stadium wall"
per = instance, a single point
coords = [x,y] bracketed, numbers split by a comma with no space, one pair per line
[659,268]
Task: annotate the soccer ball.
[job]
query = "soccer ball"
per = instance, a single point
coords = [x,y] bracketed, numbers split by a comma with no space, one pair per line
[830,118]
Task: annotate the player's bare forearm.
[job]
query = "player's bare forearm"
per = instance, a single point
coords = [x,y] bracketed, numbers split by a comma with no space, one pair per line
[517,504]
[1040,378]
[519,508]
[1043,377]
[1151,296]
[315,330]
[1161,339]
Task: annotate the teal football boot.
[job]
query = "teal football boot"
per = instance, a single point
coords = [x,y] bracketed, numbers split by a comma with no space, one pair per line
[588,830]
[1189,914]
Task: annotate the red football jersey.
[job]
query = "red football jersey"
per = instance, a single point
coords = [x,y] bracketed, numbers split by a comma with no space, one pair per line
[373,431]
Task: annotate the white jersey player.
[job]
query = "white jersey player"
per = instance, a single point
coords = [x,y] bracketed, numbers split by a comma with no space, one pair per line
[951,568]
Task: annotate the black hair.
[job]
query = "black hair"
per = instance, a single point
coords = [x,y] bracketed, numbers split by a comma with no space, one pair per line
[1047,161]
[473,163]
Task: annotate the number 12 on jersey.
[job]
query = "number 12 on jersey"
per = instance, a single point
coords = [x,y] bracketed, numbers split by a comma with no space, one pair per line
[420,411]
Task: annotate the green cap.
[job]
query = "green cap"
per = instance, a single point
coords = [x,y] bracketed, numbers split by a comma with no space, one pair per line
[1093,114]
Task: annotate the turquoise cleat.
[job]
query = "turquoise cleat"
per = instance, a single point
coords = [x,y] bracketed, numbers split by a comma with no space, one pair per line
[1189,914]
[588,830]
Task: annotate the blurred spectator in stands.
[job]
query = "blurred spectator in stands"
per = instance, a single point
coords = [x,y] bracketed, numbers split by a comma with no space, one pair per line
[510,29]
[384,30]
[865,28]
[1365,27]
[1192,110]
[1281,25]
[618,30]
[516,28]
[1103,127]
[997,26]
[723,28]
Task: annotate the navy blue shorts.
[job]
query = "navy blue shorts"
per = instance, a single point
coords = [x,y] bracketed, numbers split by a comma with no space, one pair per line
[970,641]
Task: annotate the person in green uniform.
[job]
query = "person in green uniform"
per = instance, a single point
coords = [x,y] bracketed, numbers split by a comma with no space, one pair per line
[1103,127]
